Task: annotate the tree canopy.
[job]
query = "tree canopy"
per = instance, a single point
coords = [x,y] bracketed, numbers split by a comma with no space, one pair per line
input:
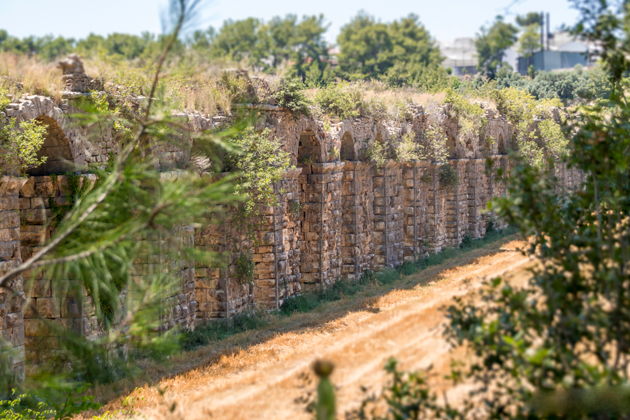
[397,51]
[491,44]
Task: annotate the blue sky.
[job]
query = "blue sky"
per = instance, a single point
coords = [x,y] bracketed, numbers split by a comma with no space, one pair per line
[445,19]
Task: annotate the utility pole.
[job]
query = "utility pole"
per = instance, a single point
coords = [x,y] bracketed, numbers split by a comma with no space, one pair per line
[548,31]
[542,31]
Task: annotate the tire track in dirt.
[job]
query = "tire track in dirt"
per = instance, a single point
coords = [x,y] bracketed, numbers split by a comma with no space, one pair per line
[264,380]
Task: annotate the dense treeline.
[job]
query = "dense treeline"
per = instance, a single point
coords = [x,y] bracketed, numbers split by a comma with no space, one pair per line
[399,53]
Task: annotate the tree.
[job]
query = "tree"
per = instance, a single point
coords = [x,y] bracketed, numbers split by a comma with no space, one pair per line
[202,39]
[287,40]
[239,40]
[491,44]
[48,47]
[531,18]
[529,40]
[398,52]
[362,43]
[310,50]
[119,45]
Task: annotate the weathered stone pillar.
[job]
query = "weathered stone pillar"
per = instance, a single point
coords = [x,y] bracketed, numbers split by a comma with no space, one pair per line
[477,197]
[11,297]
[388,215]
[288,236]
[435,232]
[349,229]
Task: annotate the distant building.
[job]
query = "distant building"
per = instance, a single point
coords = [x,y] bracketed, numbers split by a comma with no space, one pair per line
[563,51]
[460,55]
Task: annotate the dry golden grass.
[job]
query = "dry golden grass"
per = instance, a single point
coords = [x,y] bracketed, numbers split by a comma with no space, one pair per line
[23,75]
[184,85]
[187,85]
[194,83]
[394,96]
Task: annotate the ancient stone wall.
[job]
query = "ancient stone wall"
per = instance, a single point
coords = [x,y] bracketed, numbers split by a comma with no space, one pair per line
[337,214]
[43,200]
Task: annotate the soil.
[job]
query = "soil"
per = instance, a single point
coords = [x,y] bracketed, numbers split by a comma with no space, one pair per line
[267,374]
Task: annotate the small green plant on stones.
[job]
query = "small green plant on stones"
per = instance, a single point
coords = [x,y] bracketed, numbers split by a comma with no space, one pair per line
[295,207]
[377,152]
[471,116]
[536,141]
[434,147]
[20,144]
[448,176]
[261,163]
[5,99]
[333,153]
[407,150]
[290,95]
[340,101]
[244,270]
[427,177]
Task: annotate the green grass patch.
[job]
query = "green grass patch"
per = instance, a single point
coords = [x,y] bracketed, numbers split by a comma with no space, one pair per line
[221,329]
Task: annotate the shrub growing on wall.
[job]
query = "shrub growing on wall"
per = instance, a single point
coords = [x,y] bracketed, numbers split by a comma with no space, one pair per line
[340,101]
[20,144]
[471,116]
[535,141]
[244,268]
[407,149]
[260,162]
[291,96]
[434,147]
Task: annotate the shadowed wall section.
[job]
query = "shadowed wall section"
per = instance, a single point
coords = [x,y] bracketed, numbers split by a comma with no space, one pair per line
[56,149]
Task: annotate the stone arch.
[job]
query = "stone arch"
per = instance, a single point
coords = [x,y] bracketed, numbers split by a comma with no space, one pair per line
[309,159]
[309,149]
[348,151]
[79,151]
[56,149]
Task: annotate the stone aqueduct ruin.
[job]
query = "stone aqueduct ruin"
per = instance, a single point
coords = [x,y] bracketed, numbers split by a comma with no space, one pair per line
[337,213]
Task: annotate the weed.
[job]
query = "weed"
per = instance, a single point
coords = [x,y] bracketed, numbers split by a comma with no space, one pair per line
[448,176]
[290,95]
[20,144]
[387,276]
[295,207]
[407,268]
[221,329]
[244,268]
[301,303]
[466,241]
[340,101]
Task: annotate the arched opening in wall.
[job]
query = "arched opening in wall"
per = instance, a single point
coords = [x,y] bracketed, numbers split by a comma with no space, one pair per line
[310,205]
[501,146]
[308,149]
[56,149]
[347,147]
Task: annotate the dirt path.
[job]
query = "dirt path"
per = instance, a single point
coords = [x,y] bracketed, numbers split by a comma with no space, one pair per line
[264,380]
